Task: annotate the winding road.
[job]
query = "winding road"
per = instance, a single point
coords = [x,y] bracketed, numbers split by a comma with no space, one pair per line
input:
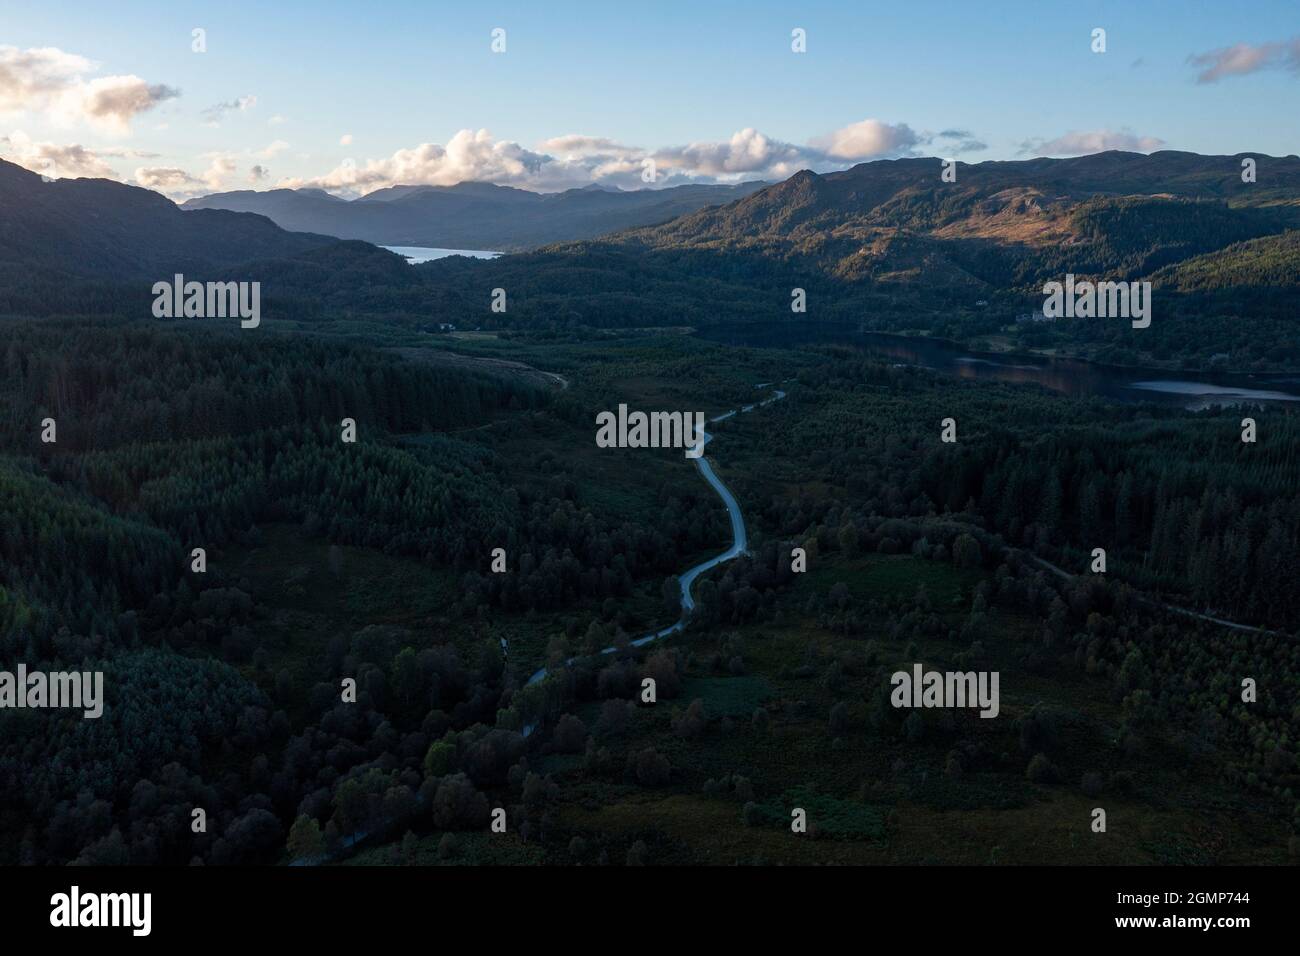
[739,539]
[739,544]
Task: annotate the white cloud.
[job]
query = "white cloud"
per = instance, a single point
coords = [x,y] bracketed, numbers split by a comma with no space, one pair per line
[275,120]
[56,161]
[51,82]
[111,102]
[750,154]
[215,175]
[1245,58]
[468,155]
[180,184]
[167,179]
[578,145]
[28,78]
[279,146]
[867,139]
[345,139]
[1092,141]
[747,152]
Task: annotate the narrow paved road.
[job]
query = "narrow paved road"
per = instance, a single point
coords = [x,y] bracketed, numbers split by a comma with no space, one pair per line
[739,540]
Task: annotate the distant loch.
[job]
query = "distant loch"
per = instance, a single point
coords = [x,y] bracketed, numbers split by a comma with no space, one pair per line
[417,254]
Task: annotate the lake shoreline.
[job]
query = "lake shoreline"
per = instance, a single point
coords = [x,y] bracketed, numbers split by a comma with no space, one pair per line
[1275,376]
[1079,378]
[416,255]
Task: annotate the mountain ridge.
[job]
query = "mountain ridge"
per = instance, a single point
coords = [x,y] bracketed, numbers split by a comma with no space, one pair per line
[472,215]
[100,227]
[887,245]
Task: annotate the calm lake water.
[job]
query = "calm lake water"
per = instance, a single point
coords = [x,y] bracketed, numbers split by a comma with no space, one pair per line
[418,254]
[1192,390]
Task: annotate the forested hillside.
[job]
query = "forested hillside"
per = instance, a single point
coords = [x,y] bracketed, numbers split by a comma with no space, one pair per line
[886,245]
[891,246]
[96,227]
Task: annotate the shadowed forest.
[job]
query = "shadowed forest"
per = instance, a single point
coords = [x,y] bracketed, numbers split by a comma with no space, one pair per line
[327,560]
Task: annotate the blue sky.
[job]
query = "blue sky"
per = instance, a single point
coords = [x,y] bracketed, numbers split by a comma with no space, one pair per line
[707,91]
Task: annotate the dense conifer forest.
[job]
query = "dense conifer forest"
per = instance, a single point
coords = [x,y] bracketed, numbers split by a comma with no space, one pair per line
[370,561]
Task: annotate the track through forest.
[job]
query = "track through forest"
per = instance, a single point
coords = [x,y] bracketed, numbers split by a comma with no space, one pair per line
[739,539]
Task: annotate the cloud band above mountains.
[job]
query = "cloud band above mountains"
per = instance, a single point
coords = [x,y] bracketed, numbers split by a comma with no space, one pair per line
[58,160]
[573,160]
[1091,141]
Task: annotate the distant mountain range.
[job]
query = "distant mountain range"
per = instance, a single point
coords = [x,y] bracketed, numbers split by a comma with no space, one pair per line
[887,245]
[473,215]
